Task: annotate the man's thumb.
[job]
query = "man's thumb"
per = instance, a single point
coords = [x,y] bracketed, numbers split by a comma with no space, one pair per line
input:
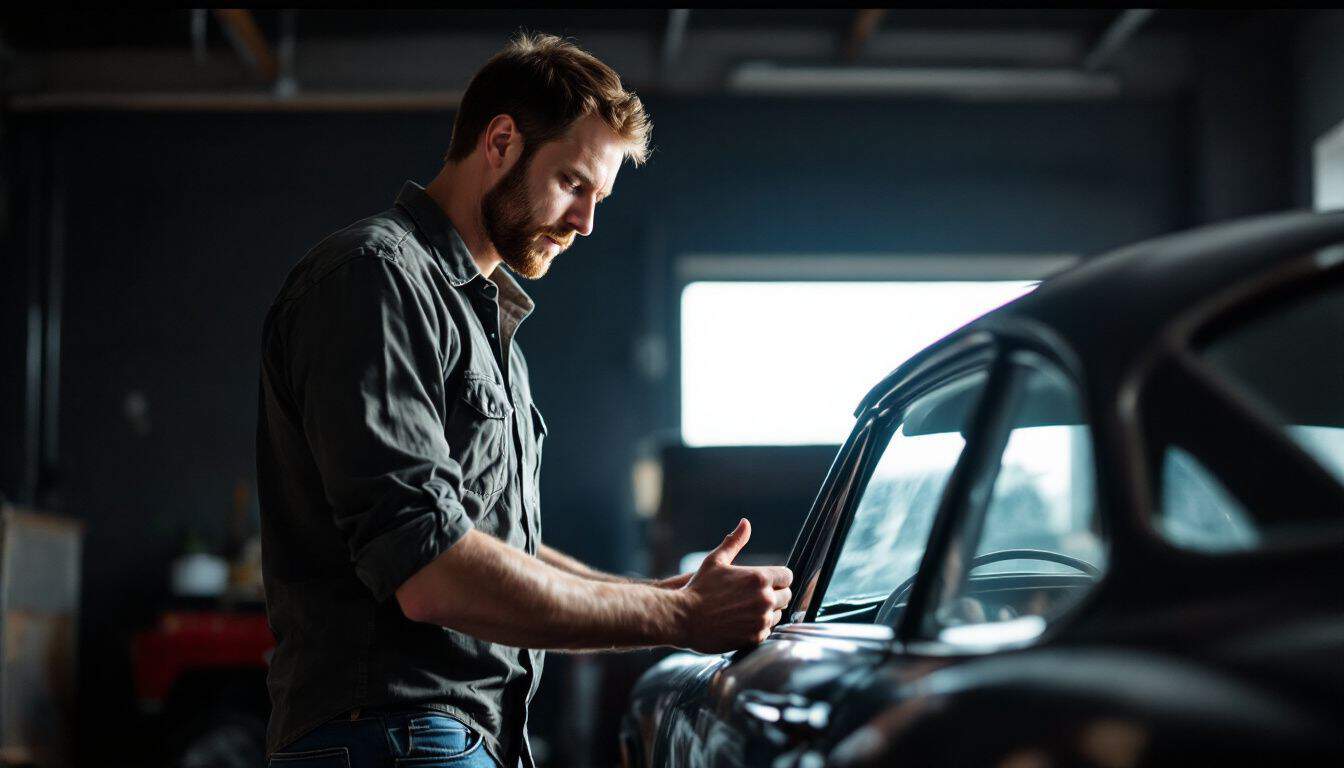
[733,543]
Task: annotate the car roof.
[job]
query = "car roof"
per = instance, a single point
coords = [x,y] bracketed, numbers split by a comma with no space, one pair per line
[1111,308]
[1114,305]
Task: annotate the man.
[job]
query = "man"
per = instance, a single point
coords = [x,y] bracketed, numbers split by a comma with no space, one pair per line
[398,450]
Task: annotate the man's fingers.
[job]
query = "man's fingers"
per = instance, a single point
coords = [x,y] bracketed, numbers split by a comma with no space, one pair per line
[780,576]
[782,598]
[732,543]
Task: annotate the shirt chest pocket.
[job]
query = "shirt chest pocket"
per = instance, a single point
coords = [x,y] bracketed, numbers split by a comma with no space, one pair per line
[478,434]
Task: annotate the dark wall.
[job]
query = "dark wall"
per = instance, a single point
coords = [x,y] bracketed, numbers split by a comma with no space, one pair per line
[179,228]
[1319,99]
[24,232]
[920,177]
[14,299]
[1241,113]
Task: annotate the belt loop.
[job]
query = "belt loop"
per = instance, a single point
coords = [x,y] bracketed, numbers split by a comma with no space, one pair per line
[354,713]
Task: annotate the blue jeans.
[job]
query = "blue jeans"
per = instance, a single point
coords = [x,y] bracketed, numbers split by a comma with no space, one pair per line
[391,738]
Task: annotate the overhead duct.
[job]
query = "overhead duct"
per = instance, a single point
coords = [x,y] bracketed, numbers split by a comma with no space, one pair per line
[953,82]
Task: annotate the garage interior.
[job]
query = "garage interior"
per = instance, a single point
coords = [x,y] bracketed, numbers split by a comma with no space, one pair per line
[161,172]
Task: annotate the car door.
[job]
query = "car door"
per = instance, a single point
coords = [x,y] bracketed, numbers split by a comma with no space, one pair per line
[1018,553]
[864,541]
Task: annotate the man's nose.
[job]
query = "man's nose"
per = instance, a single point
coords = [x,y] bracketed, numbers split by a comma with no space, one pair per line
[581,215]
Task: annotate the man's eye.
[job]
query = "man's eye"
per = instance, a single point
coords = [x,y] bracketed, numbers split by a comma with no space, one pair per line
[573,185]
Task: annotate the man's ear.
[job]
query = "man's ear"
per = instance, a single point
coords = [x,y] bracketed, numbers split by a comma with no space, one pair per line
[502,141]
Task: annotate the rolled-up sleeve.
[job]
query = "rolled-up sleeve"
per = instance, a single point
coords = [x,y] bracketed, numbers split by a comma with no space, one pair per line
[366,370]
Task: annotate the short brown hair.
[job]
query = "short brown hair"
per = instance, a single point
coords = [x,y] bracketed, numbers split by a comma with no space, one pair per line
[545,83]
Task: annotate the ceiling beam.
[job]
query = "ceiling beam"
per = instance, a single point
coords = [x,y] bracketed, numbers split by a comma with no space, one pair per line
[242,30]
[1114,38]
[436,63]
[233,101]
[866,22]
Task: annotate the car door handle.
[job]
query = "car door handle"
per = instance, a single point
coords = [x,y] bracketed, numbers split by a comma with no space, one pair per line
[787,712]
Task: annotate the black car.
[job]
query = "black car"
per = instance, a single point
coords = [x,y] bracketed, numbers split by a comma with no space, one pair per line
[1101,525]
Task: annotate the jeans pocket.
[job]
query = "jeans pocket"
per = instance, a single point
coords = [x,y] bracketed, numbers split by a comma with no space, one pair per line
[472,757]
[332,757]
[433,739]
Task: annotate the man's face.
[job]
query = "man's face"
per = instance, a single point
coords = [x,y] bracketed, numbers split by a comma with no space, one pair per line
[549,196]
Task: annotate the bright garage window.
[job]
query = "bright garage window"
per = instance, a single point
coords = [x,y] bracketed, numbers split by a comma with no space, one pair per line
[785,363]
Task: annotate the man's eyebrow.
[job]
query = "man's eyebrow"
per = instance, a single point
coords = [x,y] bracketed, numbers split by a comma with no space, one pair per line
[585,181]
[580,175]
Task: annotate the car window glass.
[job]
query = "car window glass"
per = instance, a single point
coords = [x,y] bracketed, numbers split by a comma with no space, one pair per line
[1043,500]
[1290,362]
[1291,359]
[1038,548]
[886,539]
[1197,511]
[1325,444]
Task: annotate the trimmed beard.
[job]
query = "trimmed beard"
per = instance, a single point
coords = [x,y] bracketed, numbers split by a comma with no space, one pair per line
[509,219]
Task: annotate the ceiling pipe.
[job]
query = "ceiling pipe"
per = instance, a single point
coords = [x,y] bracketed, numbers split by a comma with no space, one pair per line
[199,22]
[1113,40]
[975,83]
[286,84]
[674,37]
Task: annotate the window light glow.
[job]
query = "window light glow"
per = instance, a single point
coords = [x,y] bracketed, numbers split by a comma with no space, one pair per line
[785,363]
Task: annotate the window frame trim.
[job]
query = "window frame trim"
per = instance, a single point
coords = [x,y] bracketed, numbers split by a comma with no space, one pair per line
[1179,373]
[966,494]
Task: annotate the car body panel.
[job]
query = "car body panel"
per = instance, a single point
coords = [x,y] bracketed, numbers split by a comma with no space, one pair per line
[747,707]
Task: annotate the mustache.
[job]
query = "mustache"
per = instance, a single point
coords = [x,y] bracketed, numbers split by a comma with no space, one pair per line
[564,238]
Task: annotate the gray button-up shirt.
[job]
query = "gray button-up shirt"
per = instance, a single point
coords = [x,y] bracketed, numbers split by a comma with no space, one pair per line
[395,415]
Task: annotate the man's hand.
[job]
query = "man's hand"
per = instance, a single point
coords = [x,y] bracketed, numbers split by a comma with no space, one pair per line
[730,606]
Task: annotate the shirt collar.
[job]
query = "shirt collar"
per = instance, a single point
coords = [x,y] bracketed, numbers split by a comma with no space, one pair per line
[433,223]
[453,253]
[512,298]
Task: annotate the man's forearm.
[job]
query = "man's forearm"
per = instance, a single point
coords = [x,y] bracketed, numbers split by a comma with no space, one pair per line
[494,592]
[557,559]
